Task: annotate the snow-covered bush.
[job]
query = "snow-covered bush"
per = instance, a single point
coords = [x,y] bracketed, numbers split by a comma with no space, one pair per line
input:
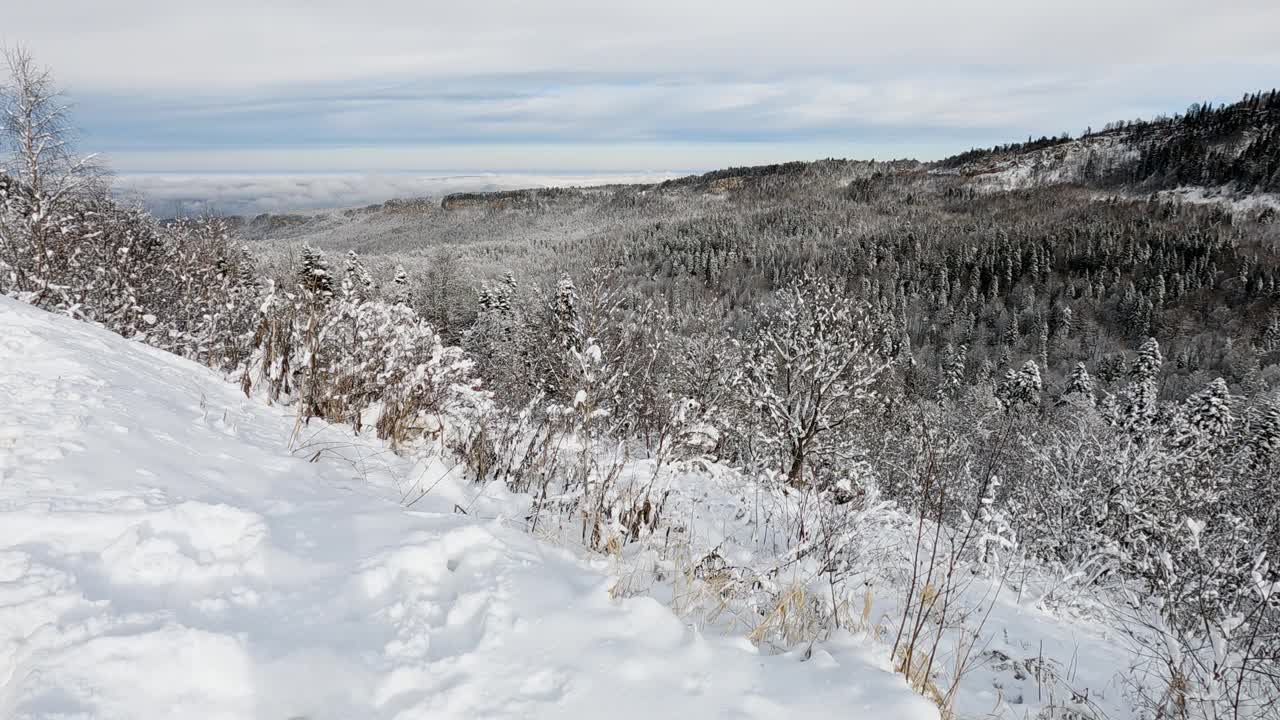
[357,361]
[808,379]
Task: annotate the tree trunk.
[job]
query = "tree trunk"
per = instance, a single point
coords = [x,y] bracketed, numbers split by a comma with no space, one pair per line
[795,476]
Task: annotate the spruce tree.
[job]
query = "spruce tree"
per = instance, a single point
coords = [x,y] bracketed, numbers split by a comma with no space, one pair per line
[1263,442]
[314,276]
[1080,386]
[1208,412]
[506,293]
[1141,407]
[245,275]
[1270,341]
[357,284]
[566,309]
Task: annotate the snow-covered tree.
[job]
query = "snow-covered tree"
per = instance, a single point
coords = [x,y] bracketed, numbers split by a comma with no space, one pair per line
[1263,441]
[1022,388]
[484,298]
[315,277]
[809,376]
[504,295]
[35,128]
[357,283]
[1208,413]
[1141,396]
[952,370]
[566,308]
[1080,387]
[44,184]
[1270,340]
[996,539]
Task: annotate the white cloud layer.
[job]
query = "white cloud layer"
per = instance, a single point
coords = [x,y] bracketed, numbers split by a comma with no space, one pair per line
[597,86]
[242,44]
[187,194]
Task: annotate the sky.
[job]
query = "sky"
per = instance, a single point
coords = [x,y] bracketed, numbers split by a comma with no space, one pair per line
[412,88]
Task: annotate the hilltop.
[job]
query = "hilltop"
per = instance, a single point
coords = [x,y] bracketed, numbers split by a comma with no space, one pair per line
[1233,149]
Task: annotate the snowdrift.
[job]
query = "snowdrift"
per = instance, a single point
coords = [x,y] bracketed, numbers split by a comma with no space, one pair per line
[164,554]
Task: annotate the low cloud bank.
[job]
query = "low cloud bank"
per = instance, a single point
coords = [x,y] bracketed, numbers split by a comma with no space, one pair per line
[178,195]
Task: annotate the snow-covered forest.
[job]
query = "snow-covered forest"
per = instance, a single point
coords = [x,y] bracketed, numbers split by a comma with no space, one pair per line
[1018,442]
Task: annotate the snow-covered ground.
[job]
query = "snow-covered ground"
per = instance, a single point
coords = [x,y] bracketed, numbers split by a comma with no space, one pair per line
[1007,648]
[164,554]
[1237,201]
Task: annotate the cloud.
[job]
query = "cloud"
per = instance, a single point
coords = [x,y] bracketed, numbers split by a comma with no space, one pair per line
[243,44]
[171,195]
[974,106]
[583,86]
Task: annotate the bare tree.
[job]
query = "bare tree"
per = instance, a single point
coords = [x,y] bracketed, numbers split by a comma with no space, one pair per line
[39,174]
[38,133]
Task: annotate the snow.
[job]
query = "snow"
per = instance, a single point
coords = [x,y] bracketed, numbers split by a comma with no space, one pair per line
[1224,195]
[164,554]
[1061,163]
[1027,657]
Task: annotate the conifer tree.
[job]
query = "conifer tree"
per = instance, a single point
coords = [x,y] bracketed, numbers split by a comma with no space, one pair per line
[953,362]
[506,293]
[246,277]
[1140,409]
[1080,386]
[1209,411]
[1263,443]
[566,309]
[1270,341]
[314,276]
[357,283]
[1022,387]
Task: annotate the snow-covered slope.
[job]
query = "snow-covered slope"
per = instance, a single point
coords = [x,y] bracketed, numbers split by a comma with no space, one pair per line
[1066,162]
[163,554]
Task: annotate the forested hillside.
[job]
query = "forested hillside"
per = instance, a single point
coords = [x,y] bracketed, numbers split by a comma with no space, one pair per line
[1234,147]
[1049,273]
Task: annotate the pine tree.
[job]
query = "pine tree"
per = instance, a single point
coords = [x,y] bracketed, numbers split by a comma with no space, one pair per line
[357,284]
[1208,412]
[1263,442]
[1021,388]
[1271,336]
[245,275]
[1140,409]
[314,276]
[1042,346]
[1080,386]
[953,363]
[566,309]
[1066,323]
[1028,383]
[1012,338]
[506,293]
